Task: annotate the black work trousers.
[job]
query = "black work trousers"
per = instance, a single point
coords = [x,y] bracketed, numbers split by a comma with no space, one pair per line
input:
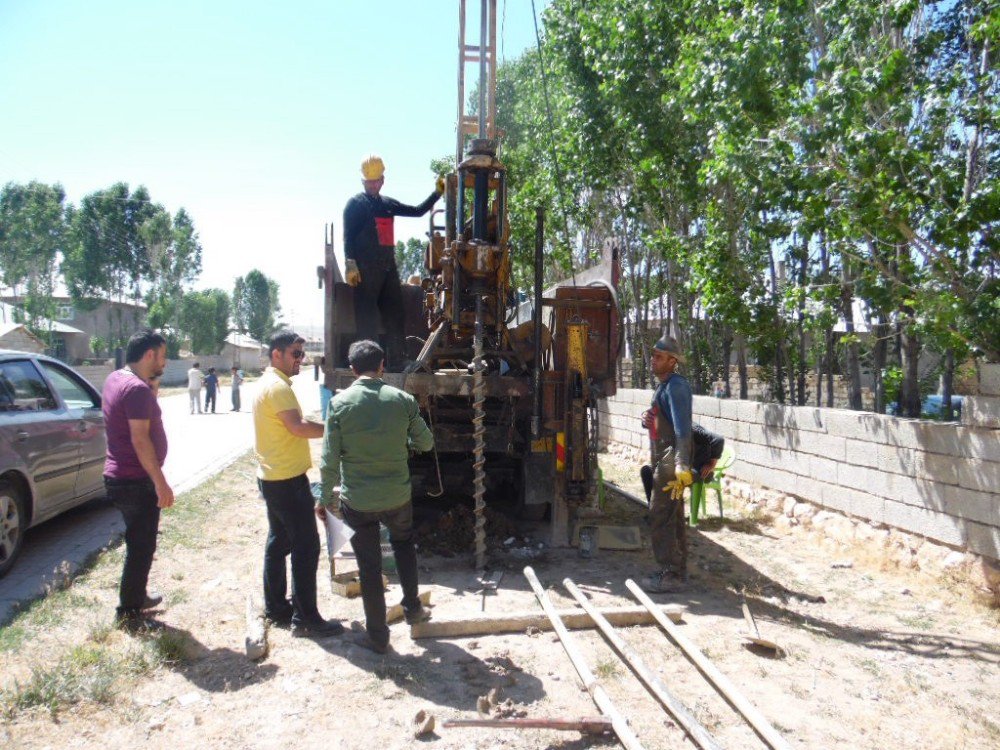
[209,400]
[368,553]
[135,499]
[379,296]
[291,532]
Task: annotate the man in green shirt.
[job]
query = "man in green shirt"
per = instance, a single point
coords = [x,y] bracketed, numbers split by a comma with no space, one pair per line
[369,431]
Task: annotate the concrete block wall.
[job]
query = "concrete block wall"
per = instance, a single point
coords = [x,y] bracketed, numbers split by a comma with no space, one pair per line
[96,374]
[940,481]
[175,372]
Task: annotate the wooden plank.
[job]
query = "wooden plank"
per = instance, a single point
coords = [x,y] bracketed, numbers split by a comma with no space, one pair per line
[721,683]
[678,710]
[519,622]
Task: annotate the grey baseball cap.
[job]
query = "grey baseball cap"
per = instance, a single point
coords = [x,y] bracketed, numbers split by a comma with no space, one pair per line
[669,345]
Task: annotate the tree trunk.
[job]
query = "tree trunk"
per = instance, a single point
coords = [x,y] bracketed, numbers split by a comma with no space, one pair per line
[880,352]
[803,268]
[741,366]
[831,357]
[853,360]
[727,352]
[947,384]
[909,390]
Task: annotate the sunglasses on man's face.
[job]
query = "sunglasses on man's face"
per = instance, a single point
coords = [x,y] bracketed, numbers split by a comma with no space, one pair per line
[298,353]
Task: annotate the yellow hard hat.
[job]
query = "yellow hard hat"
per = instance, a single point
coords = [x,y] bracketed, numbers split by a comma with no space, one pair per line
[372,168]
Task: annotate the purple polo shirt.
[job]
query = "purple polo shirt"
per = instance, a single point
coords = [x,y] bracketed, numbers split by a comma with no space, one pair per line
[126,396]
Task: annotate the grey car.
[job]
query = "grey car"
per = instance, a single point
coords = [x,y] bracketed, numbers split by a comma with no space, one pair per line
[52,445]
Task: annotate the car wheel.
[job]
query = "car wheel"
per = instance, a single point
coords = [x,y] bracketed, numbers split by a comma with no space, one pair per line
[13,522]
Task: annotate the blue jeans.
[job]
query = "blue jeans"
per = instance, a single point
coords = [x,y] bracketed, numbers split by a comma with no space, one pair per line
[135,499]
[291,532]
[368,552]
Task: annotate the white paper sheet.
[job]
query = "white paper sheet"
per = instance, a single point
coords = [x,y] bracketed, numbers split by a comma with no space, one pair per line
[338,534]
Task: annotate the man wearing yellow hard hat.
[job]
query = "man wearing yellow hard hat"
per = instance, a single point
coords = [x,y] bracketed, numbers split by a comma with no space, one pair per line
[370,255]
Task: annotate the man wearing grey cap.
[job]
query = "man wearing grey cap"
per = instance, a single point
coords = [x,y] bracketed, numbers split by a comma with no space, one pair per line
[669,421]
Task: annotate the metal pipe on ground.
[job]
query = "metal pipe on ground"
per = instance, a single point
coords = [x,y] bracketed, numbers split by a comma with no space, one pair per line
[721,683]
[674,707]
[624,732]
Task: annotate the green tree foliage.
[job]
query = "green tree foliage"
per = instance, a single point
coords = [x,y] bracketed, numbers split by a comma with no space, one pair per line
[410,258]
[32,234]
[255,305]
[204,316]
[762,167]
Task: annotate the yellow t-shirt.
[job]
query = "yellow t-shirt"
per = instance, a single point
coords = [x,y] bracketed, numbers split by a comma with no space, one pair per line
[280,454]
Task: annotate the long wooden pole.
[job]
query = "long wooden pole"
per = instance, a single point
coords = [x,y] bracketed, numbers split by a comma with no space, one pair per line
[595,725]
[722,683]
[678,710]
[618,722]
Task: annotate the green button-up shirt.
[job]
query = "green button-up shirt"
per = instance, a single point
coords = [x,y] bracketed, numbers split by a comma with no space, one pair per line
[370,429]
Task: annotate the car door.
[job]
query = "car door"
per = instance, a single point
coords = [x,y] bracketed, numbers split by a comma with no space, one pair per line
[83,409]
[34,425]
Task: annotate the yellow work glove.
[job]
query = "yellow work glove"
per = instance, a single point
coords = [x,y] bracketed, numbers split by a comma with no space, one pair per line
[439,185]
[352,275]
[682,478]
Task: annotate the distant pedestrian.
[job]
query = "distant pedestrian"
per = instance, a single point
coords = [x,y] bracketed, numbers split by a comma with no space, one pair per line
[237,382]
[136,449]
[369,433]
[281,443]
[211,388]
[194,387]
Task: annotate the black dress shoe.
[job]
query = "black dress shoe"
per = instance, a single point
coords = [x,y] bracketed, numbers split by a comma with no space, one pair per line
[316,629]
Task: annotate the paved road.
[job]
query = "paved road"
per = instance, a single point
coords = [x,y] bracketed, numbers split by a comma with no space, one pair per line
[199,446]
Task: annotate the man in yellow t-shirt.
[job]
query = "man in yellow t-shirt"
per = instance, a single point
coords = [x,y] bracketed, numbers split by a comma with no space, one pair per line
[281,444]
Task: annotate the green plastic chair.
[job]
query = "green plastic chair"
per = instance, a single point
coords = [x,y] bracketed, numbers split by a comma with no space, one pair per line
[698,489]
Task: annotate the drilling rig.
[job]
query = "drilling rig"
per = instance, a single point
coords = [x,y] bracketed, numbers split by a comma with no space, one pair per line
[509,389]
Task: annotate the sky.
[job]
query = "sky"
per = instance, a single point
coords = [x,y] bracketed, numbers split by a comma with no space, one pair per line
[253,116]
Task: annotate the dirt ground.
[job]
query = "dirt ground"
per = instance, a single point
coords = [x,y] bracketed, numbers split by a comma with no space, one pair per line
[871,658]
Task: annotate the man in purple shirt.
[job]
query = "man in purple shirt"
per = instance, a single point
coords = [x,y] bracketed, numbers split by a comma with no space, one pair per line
[137,446]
